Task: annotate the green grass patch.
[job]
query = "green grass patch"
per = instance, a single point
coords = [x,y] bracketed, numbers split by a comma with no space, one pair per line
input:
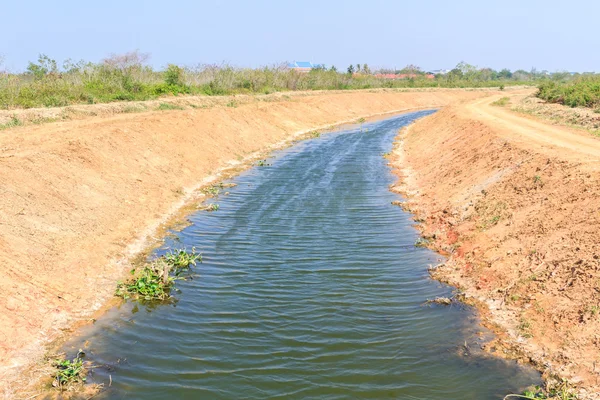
[501,102]
[14,122]
[169,106]
[155,280]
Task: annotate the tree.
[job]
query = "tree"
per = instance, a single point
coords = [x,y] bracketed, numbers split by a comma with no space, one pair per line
[350,69]
[127,61]
[357,67]
[333,68]
[366,69]
[174,75]
[45,66]
[411,69]
[504,74]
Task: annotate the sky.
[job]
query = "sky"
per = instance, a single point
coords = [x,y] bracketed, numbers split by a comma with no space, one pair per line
[516,34]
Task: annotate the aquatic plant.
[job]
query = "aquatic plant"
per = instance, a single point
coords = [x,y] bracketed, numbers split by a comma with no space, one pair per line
[212,207]
[69,372]
[559,390]
[262,163]
[156,279]
[213,190]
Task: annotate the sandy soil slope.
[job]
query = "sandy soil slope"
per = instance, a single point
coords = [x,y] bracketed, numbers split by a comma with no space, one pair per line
[515,203]
[75,196]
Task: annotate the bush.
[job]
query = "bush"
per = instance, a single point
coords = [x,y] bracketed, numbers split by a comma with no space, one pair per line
[580,92]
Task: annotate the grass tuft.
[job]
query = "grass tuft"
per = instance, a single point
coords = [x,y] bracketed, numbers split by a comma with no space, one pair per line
[501,102]
[169,106]
[14,121]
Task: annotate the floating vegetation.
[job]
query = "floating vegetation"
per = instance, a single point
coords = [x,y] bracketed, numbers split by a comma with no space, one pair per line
[262,163]
[212,207]
[69,372]
[155,280]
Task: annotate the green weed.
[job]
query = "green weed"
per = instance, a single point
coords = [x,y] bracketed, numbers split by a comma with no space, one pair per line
[524,328]
[232,104]
[262,163]
[156,279]
[501,102]
[213,190]
[212,207]
[69,372]
[558,391]
[169,106]
[14,121]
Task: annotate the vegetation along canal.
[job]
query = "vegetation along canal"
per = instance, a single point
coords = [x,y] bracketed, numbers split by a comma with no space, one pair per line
[311,287]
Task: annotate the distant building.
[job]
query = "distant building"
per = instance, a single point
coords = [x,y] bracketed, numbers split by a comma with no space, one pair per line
[303,66]
[404,76]
[439,71]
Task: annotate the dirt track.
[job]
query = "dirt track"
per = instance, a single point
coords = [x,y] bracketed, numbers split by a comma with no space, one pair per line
[566,143]
[80,198]
[515,204]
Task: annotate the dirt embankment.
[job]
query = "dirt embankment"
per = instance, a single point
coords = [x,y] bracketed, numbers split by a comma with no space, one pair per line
[79,198]
[515,204]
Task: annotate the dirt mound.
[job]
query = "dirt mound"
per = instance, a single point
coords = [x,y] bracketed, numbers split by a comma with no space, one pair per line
[516,206]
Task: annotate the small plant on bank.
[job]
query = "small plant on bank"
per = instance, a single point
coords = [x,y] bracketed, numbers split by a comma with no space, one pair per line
[212,207]
[361,120]
[559,391]
[14,121]
[69,372]
[156,279]
[262,163]
[501,102]
[315,134]
[213,190]
[169,106]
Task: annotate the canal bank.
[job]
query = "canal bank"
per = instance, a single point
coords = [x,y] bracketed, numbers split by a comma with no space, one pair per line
[81,198]
[513,202]
[311,286]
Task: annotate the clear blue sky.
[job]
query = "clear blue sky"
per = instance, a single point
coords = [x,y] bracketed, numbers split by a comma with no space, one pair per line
[550,34]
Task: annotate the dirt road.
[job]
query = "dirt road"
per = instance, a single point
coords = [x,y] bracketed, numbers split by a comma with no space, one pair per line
[572,144]
[78,199]
[515,204]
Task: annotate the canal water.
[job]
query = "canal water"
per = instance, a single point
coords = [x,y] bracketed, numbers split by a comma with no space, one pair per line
[311,288]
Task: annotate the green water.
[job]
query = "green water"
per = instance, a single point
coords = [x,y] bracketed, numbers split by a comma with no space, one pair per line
[311,288]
